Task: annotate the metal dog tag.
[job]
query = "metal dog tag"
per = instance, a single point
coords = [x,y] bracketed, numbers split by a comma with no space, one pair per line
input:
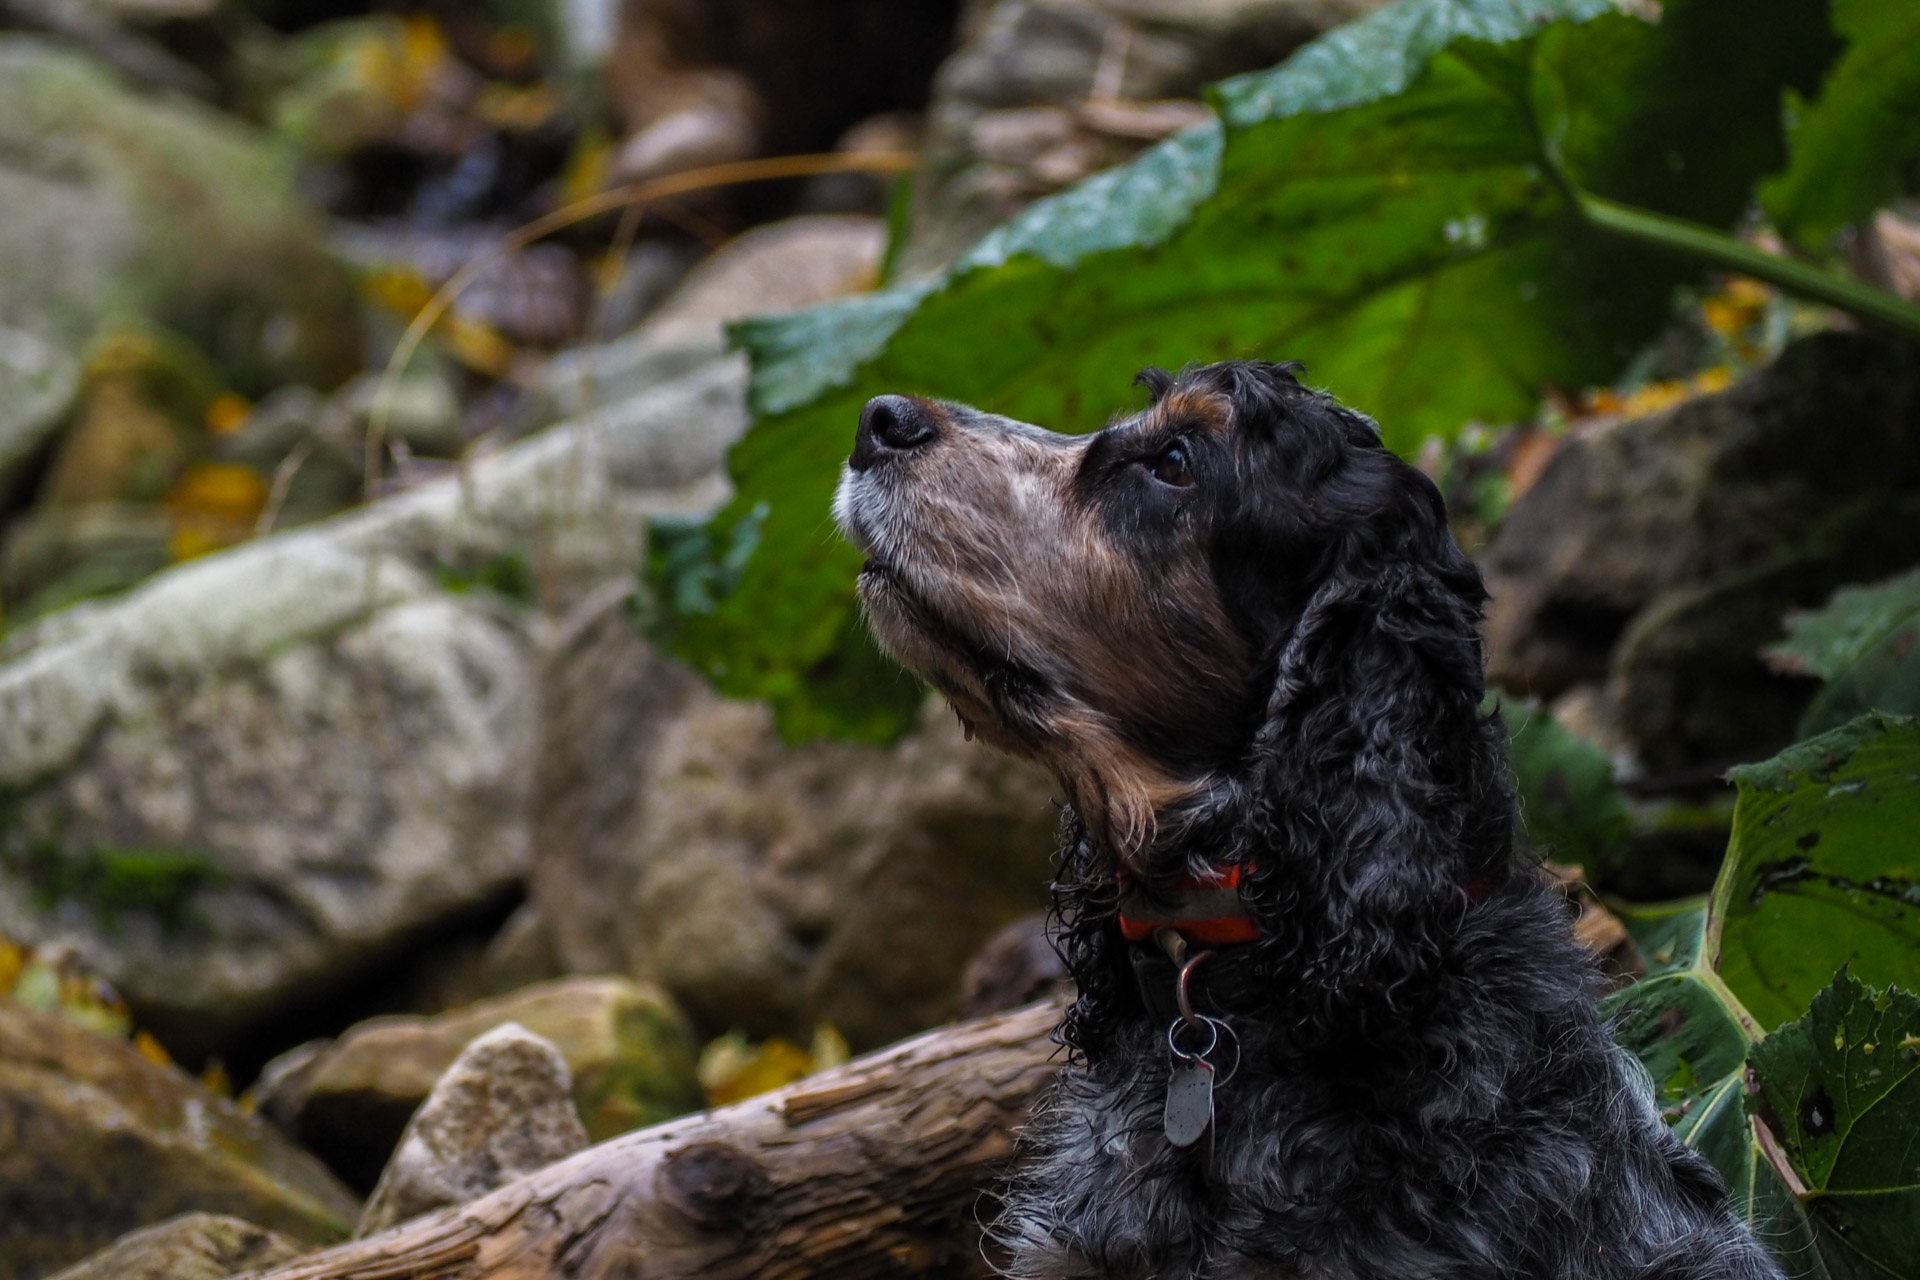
[1189,1110]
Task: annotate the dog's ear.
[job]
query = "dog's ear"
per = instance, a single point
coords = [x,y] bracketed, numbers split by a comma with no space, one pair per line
[1381,786]
[1380,783]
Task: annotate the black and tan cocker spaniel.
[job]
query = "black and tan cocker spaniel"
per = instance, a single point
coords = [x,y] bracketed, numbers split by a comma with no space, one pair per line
[1330,1023]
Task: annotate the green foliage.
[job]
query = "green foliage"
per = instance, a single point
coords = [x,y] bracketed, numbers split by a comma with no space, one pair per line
[1693,1037]
[1823,870]
[1668,935]
[160,882]
[1818,877]
[681,559]
[1391,206]
[1839,1091]
[112,880]
[1862,644]
[505,574]
[1570,809]
[1857,145]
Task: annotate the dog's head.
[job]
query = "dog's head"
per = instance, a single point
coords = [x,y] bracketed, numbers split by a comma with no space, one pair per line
[1119,606]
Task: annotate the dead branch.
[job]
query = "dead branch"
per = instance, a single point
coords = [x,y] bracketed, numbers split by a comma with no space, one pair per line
[877,1168]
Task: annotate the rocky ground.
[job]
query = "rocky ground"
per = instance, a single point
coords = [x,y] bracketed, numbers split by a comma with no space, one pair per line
[332,764]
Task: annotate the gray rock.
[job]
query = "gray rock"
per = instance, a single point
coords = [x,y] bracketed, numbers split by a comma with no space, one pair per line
[503,1109]
[38,382]
[112,32]
[259,772]
[1043,92]
[629,1051]
[770,887]
[97,1141]
[647,275]
[772,269]
[193,1246]
[1016,966]
[111,200]
[1654,557]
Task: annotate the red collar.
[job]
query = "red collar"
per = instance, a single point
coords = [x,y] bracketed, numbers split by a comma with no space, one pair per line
[1207,909]
[1204,909]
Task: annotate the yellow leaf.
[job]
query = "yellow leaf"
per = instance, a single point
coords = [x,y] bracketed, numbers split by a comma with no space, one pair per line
[224,490]
[586,168]
[214,505]
[12,959]
[226,413]
[1654,397]
[516,107]
[150,1049]
[731,1069]
[474,343]
[478,346]
[396,288]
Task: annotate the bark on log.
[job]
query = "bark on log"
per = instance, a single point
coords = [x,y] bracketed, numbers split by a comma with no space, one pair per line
[875,1169]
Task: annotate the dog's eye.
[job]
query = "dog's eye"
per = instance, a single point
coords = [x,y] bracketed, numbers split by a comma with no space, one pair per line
[1169,466]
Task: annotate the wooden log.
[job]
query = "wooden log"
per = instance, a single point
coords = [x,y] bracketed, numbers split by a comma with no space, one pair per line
[883,1167]
[880,1168]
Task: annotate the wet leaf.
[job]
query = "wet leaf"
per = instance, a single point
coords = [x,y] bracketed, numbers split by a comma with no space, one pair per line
[1866,644]
[1570,809]
[1823,869]
[1667,935]
[1821,833]
[1857,145]
[1383,206]
[1693,1038]
[1839,1090]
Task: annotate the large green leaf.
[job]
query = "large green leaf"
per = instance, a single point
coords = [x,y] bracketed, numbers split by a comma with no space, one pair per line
[1386,206]
[1823,870]
[1858,144]
[1818,876]
[1693,1037]
[1569,808]
[1866,645]
[1839,1090]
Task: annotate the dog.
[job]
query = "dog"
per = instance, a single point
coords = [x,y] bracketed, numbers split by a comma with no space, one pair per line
[1331,1024]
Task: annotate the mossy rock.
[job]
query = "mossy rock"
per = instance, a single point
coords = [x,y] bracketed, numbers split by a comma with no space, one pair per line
[630,1049]
[97,1140]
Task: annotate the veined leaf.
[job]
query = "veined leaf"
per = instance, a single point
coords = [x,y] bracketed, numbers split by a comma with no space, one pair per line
[1387,206]
[1823,870]
[1839,1090]
[1668,935]
[1866,644]
[1826,828]
[1857,145]
[1693,1037]
[1570,809]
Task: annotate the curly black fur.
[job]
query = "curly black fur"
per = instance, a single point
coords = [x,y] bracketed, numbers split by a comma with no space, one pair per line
[1423,1089]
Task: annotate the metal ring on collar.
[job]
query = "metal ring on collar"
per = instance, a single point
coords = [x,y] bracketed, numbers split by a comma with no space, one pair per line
[1173,1038]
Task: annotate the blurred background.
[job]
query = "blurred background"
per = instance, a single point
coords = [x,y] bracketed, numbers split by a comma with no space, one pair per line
[365,393]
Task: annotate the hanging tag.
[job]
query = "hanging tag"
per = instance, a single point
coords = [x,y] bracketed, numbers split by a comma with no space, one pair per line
[1189,1112]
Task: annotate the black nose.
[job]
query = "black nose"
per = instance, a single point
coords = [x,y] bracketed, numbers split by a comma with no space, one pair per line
[888,425]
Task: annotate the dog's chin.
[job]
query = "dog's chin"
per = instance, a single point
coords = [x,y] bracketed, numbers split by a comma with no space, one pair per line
[911,632]
[901,622]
